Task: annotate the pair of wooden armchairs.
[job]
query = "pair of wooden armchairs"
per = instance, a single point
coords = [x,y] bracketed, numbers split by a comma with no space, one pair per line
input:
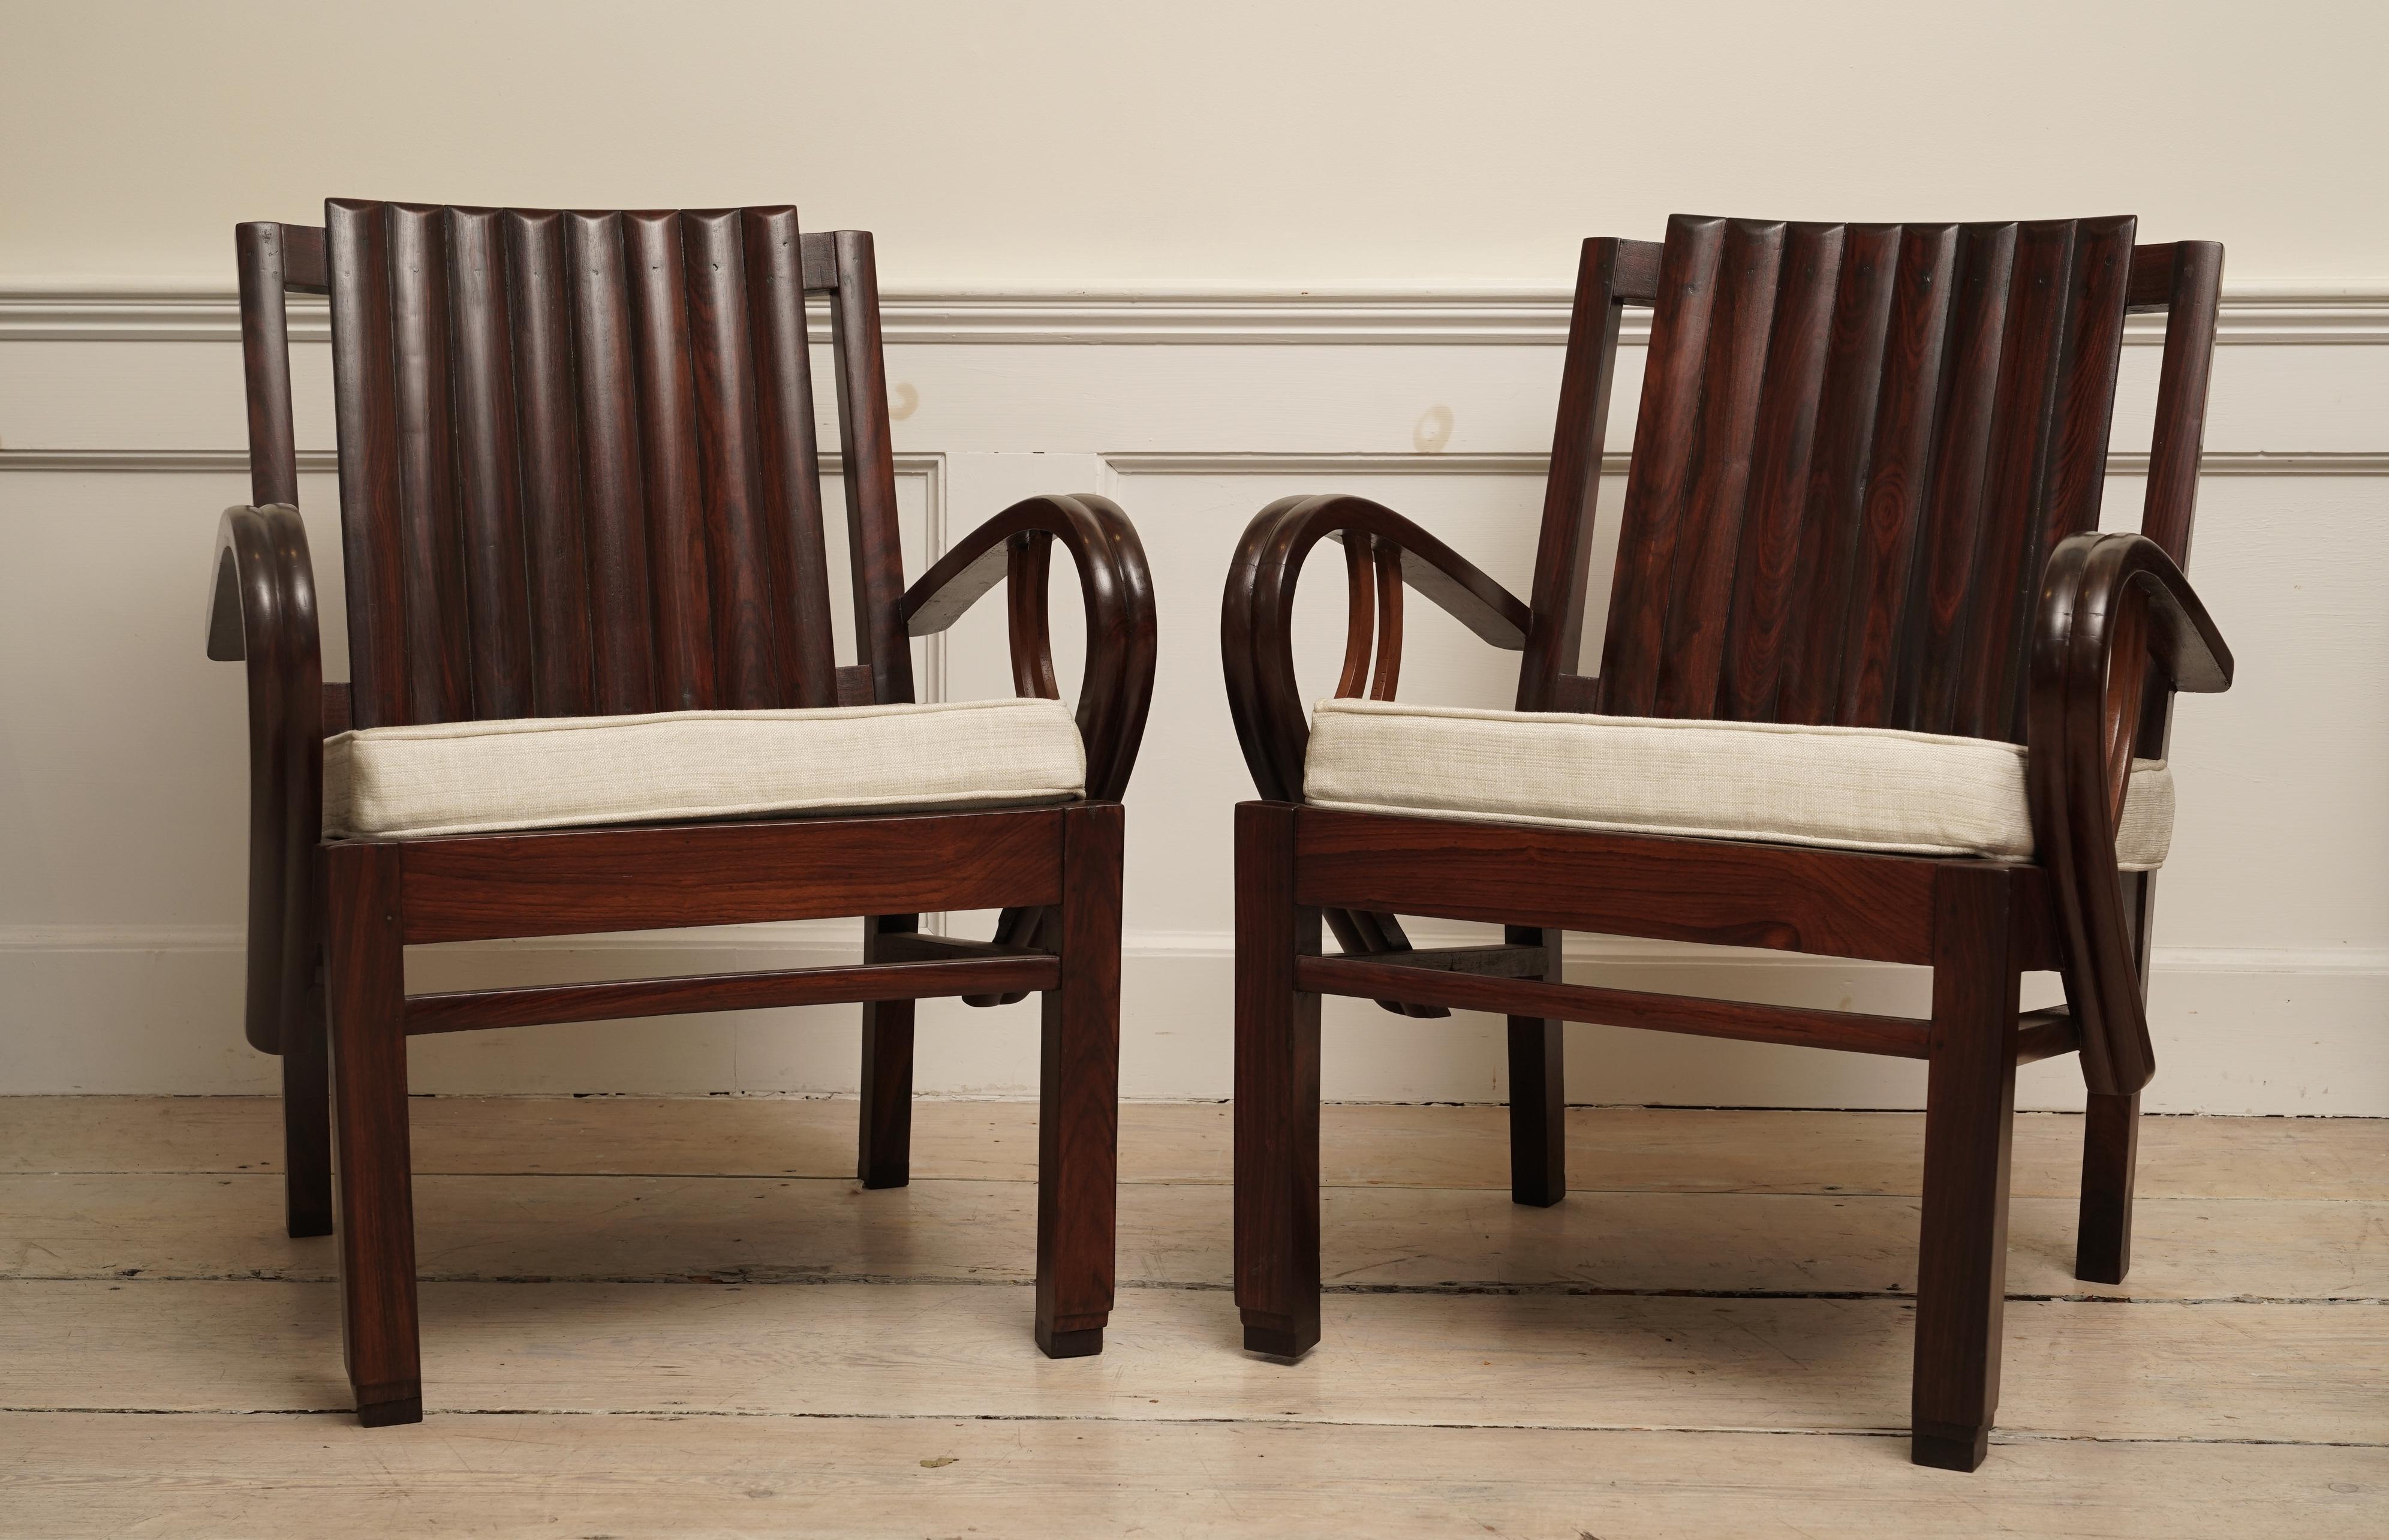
[1872,687]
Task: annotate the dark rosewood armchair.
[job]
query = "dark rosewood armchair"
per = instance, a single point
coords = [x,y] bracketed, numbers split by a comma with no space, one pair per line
[1872,685]
[594,689]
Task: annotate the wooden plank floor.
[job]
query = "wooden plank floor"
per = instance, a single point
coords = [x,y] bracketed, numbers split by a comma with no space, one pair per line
[1710,1337]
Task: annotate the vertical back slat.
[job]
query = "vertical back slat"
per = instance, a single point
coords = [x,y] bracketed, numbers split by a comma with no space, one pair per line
[2084,410]
[1846,410]
[2194,295]
[2193,270]
[1563,562]
[749,644]
[2085,393]
[792,502]
[869,457]
[675,475]
[488,468]
[613,480]
[265,364]
[1868,646]
[2022,437]
[1932,678]
[578,457]
[1766,568]
[1663,460]
[1847,524]
[546,395]
[1708,537]
[357,250]
[438,632]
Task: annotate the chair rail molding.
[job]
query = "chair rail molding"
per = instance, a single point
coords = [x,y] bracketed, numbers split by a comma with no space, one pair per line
[2267,314]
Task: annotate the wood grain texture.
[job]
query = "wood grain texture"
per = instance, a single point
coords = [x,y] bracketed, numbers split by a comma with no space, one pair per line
[555,539]
[630,385]
[475,1010]
[1620,884]
[1969,1120]
[1078,1108]
[884,1480]
[489,469]
[1894,1036]
[1277,1092]
[570,882]
[365,990]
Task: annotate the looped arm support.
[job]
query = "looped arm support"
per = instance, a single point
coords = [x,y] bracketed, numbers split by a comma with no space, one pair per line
[1256,617]
[1115,586]
[261,611]
[1384,553]
[2109,604]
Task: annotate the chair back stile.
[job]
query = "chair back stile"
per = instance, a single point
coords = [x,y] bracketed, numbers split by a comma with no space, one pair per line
[1857,445]
[578,467]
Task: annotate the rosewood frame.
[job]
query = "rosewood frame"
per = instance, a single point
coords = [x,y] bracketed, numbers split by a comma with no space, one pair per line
[329,920]
[1760,363]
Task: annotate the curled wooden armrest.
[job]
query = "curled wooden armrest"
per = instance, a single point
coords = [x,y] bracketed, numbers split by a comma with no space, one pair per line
[1272,720]
[1384,553]
[261,610]
[1116,586]
[2109,604]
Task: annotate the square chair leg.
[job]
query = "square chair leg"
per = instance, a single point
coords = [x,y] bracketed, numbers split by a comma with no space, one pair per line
[366,995]
[2111,1143]
[307,1123]
[884,1157]
[1277,1093]
[1537,1090]
[1969,1113]
[1078,1120]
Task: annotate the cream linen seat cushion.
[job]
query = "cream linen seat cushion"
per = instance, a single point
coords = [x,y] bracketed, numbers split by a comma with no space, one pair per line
[478,777]
[1871,788]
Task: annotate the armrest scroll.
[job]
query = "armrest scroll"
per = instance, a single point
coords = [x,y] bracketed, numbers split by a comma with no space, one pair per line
[1272,721]
[2110,604]
[1115,584]
[262,613]
[1384,553]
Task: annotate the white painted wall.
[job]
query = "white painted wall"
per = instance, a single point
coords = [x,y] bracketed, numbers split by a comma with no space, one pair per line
[1213,171]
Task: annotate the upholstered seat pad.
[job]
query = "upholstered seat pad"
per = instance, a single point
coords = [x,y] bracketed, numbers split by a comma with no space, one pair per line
[1868,788]
[471,777]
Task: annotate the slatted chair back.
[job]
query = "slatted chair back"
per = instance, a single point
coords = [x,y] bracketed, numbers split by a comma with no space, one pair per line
[578,463]
[1856,447]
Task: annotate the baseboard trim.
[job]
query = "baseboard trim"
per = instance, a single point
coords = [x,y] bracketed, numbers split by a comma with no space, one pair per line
[155,1009]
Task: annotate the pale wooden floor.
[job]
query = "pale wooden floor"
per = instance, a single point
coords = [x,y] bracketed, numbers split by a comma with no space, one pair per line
[1710,1337]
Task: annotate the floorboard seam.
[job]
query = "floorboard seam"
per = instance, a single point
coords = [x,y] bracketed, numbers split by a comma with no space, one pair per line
[1495,1290]
[1487,1189]
[687,1414]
